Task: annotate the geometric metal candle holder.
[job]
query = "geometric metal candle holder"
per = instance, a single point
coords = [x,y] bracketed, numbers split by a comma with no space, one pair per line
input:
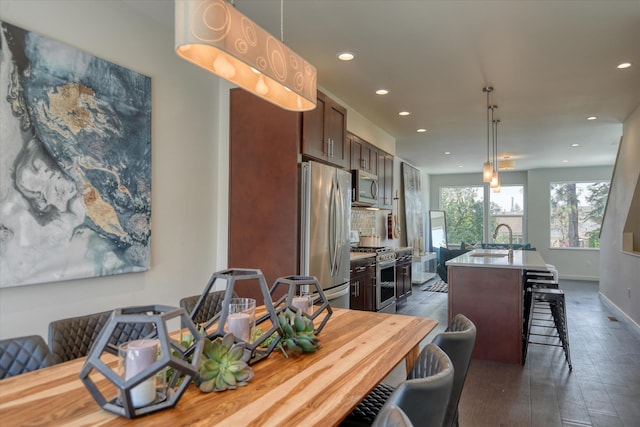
[172,357]
[299,285]
[268,323]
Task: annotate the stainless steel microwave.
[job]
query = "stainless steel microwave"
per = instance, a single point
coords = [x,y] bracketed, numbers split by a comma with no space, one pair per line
[365,188]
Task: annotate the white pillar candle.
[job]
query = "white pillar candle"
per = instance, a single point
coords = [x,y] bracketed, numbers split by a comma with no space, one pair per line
[141,354]
[301,303]
[240,326]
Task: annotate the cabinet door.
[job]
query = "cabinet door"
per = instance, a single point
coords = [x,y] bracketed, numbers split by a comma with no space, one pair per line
[385,180]
[357,283]
[370,158]
[324,132]
[369,301]
[355,147]
[406,273]
[335,129]
[313,140]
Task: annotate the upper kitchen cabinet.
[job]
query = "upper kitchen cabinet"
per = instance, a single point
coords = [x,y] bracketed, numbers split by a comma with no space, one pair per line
[364,156]
[385,180]
[324,132]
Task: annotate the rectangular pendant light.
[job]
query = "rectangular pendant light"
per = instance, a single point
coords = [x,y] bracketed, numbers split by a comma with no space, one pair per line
[214,35]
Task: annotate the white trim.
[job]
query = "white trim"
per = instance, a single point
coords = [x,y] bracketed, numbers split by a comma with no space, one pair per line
[619,312]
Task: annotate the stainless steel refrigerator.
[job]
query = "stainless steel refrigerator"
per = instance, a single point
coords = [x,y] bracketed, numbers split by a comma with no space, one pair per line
[324,229]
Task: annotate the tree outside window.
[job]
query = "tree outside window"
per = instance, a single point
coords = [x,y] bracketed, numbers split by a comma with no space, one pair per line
[577,209]
[464,210]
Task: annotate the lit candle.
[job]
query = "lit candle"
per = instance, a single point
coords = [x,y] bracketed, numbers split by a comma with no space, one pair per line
[141,354]
[301,303]
[240,325]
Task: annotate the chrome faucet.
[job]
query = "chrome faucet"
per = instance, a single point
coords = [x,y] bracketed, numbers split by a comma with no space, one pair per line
[495,233]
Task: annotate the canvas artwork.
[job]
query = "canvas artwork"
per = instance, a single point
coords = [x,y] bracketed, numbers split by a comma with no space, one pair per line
[413,210]
[75,163]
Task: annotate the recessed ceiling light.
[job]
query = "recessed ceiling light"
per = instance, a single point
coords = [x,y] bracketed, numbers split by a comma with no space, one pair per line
[447,153]
[591,118]
[460,166]
[404,113]
[575,145]
[382,92]
[421,130]
[346,56]
[565,161]
[624,65]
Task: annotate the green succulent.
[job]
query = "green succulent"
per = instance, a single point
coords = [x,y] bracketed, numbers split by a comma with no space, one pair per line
[223,365]
[297,332]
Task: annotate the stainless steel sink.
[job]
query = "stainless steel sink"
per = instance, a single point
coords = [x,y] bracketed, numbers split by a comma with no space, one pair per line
[489,254]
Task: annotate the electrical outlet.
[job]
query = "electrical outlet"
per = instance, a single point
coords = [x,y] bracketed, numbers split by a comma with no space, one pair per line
[629,292]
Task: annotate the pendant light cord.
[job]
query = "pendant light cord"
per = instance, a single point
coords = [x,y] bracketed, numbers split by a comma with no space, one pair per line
[282,21]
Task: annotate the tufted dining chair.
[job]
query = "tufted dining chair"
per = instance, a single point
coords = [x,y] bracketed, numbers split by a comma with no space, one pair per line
[23,354]
[458,341]
[211,306]
[73,337]
[424,396]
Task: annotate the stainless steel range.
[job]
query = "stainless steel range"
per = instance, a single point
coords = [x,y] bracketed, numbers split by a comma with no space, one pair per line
[385,290]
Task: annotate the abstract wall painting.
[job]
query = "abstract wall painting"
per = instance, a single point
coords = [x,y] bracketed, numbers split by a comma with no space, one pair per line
[75,163]
[413,209]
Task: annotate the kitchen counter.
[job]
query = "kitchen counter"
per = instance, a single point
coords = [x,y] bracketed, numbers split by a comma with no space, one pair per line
[354,256]
[497,258]
[487,287]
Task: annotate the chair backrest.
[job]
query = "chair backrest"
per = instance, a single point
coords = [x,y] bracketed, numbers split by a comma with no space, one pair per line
[391,416]
[23,354]
[458,342]
[425,395]
[211,306]
[73,337]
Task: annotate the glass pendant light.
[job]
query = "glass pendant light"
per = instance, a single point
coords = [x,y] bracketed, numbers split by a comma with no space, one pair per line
[487,169]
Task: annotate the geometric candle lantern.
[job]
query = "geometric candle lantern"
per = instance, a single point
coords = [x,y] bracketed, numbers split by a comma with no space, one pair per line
[268,323]
[301,289]
[132,389]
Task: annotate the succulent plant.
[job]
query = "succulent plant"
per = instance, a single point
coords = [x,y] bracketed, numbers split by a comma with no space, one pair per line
[223,365]
[297,332]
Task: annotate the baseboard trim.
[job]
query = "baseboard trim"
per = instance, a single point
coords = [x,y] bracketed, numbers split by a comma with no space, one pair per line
[585,278]
[619,312]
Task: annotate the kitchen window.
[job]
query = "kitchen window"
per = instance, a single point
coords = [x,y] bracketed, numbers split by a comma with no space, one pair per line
[464,208]
[576,213]
[507,207]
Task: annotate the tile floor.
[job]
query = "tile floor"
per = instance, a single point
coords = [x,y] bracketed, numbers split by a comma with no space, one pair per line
[603,389]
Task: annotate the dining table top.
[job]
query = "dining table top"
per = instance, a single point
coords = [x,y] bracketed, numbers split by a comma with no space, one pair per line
[358,349]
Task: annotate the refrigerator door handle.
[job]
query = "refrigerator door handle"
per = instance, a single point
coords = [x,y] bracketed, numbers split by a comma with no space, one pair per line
[331,230]
[340,229]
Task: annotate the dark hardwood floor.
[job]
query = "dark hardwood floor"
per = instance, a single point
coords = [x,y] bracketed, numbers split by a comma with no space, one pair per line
[603,389]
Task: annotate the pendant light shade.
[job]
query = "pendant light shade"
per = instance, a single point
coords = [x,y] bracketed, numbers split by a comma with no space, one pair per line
[487,169]
[214,35]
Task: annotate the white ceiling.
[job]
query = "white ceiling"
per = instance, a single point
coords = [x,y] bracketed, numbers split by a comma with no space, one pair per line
[552,63]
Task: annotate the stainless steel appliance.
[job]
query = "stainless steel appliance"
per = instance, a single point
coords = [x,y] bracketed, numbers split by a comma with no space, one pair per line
[324,223]
[365,188]
[385,286]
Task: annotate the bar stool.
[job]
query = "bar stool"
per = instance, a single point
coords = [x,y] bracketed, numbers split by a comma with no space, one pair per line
[546,310]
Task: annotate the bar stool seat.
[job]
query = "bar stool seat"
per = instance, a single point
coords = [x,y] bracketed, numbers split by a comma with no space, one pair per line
[545,311]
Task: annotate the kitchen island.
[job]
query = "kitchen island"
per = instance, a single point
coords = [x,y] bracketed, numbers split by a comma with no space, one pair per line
[486,286]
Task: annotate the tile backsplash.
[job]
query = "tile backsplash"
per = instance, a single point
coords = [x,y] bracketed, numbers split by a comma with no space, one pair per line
[364,221]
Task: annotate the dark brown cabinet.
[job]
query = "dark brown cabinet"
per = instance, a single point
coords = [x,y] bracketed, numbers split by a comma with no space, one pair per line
[362,284]
[403,276]
[324,132]
[364,156]
[385,180]
[263,189]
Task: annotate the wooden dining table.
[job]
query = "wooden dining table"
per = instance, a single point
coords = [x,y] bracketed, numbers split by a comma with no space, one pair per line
[358,349]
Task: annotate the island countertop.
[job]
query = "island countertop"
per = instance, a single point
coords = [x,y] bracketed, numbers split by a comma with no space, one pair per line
[497,258]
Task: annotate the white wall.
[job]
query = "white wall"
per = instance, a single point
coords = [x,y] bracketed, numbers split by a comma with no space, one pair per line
[577,264]
[620,272]
[189,165]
